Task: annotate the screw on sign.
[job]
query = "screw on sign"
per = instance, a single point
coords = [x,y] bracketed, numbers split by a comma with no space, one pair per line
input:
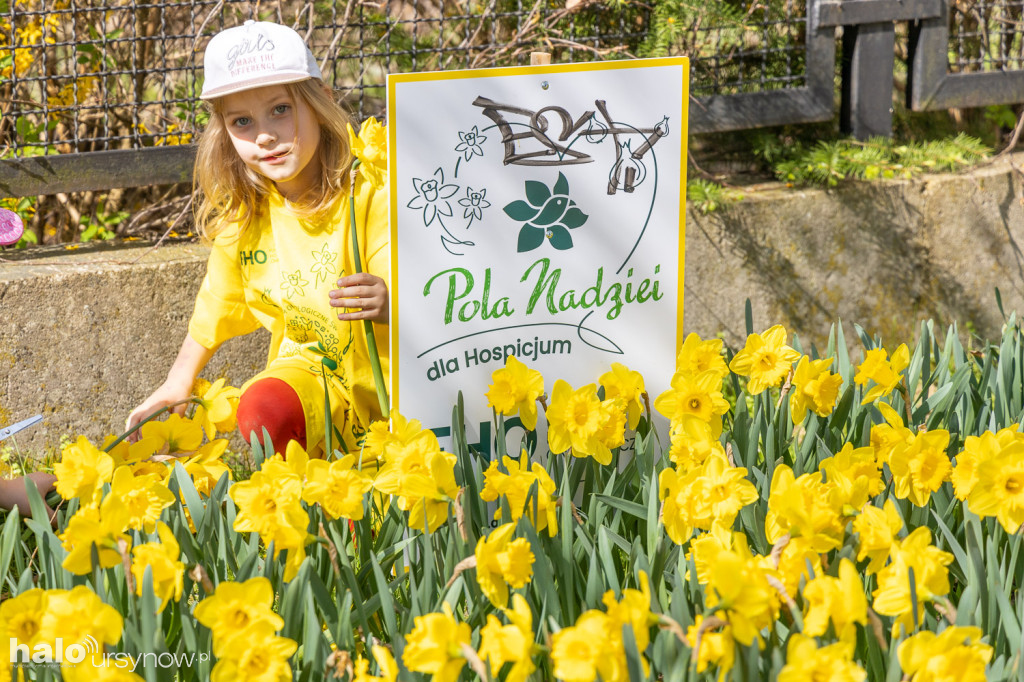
[11,227]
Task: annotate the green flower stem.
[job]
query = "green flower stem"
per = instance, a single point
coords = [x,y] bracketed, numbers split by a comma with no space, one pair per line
[371,340]
[150,418]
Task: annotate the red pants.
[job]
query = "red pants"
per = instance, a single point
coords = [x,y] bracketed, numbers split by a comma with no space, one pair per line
[273,405]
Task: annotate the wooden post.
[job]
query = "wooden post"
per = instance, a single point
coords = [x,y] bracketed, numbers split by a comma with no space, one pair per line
[540,58]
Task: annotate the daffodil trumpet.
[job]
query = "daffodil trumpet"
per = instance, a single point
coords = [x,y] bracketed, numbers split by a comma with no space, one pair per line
[371,340]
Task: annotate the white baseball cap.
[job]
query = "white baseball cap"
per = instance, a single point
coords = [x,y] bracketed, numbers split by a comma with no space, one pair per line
[255,54]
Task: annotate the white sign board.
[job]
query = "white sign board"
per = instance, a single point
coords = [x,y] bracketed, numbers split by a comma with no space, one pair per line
[535,212]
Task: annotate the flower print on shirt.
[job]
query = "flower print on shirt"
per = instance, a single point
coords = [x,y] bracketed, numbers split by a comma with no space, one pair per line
[293,284]
[324,264]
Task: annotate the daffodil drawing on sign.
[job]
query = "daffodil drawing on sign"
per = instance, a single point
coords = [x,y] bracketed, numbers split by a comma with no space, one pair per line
[470,143]
[432,197]
[546,213]
[474,203]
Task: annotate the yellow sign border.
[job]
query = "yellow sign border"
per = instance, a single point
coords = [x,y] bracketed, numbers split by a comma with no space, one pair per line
[497,72]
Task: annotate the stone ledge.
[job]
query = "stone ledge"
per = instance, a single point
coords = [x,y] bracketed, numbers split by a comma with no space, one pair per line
[86,334]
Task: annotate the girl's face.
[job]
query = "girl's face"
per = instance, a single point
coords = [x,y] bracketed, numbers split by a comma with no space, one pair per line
[276,136]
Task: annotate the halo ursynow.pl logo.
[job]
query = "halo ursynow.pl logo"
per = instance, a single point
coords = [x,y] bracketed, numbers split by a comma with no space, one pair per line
[58,653]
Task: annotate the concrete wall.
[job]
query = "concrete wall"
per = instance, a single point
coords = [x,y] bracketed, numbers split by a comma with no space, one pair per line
[86,334]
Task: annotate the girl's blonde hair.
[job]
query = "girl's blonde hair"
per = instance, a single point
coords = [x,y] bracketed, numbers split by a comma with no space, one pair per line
[229,192]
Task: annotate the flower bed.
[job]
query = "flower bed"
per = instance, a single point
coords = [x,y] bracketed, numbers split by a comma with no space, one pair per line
[807,516]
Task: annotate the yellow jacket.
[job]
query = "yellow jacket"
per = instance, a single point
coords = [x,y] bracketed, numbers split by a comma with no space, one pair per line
[277,275]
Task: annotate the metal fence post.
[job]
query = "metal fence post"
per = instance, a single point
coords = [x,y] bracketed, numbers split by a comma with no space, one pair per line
[868,61]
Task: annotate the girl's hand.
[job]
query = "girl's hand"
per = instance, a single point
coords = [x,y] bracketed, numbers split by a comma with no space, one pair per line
[13,493]
[168,394]
[191,359]
[365,295]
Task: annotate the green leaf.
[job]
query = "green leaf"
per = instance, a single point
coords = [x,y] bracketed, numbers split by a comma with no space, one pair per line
[631,508]
[386,598]
[561,185]
[536,193]
[530,238]
[574,217]
[521,211]
[560,238]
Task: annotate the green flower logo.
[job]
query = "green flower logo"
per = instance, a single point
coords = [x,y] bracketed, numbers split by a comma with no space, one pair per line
[546,213]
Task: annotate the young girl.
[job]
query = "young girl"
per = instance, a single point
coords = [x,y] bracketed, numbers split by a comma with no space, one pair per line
[273,171]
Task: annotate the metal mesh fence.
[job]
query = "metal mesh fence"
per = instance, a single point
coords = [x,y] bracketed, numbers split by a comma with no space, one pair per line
[986,35]
[747,47]
[89,75]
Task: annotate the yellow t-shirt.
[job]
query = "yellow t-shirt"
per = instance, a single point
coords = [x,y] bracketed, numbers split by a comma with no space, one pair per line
[277,275]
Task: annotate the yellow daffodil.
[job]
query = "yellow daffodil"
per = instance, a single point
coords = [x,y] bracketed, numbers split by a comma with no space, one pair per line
[854,477]
[840,601]
[271,507]
[259,655]
[515,487]
[739,590]
[513,643]
[217,406]
[878,529]
[798,561]
[692,442]
[176,433]
[102,526]
[611,433]
[696,394]
[814,388]
[143,497]
[999,490]
[435,645]
[291,465]
[628,386]
[956,653]
[82,471]
[581,651]
[885,438]
[163,559]
[716,647]
[385,662]
[234,607]
[423,478]
[502,562]
[514,390]
[884,371]
[806,661]
[694,500]
[380,435]
[706,546]
[697,356]
[336,487]
[131,454]
[801,507]
[78,613]
[724,490]
[21,617]
[574,419]
[978,449]
[918,469]
[678,510]
[765,359]
[370,146]
[206,466]
[634,610]
[931,578]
